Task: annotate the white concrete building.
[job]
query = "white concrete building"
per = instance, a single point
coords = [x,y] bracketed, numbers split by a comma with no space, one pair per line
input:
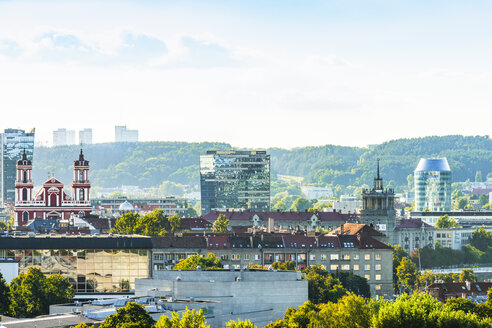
[122,134]
[348,204]
[258,296]
[85,136]
[63,137]
[311,192]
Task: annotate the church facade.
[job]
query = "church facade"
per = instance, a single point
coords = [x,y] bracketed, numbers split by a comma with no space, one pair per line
[51,201]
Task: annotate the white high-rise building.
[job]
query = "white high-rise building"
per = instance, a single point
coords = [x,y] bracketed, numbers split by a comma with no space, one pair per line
[63,137]
[85,136]
[122,134]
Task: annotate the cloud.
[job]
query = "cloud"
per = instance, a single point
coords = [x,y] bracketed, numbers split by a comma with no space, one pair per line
[10,49]
[141,47]
[192,52]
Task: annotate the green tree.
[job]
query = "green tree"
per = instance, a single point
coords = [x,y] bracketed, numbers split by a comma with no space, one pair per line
[174,222]
[350,311]
[445,222]
[32,293]
[478,176]
[483,199]
[279,206]
[353,283]
[398,254]
[301,204]
[152,224]
[132,315]
[221,224]
[461,202]
[4,296]
[190,319]
[323,287]
[126,224]
[211,261]
[407,274]
[467,275]
[286,266]
[240,324]
[481,239]
[83,325]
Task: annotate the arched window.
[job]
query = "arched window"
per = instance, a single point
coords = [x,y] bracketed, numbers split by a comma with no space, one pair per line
[81,176]
[24,176]
[81,194]
[24,194]
[25,216]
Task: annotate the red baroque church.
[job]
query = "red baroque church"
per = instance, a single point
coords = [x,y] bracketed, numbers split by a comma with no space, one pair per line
[51,201]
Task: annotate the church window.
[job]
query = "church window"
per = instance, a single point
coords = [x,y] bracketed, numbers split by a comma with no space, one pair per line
[24,194]
[25,216]
[24,176]
[81,176]
[81,193]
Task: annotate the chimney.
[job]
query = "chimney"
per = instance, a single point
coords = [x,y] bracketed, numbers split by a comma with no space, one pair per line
[468,285]
[271,225]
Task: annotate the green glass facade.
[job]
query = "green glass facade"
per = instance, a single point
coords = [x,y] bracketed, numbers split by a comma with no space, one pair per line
[433,185]
[235,180]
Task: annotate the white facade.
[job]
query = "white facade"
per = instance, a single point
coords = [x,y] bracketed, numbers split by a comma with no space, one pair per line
[63,137]
[311,192]
[122,134]
[456,238]
[9,269]
[348,204]
[85,136]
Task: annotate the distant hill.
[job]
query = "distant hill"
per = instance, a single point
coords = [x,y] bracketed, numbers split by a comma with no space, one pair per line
[148,164]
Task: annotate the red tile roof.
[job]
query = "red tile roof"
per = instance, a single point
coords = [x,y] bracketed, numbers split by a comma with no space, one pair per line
[411,224]
[282,216]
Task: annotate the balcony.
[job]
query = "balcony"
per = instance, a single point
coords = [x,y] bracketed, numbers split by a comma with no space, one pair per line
[29,203]
[76,202]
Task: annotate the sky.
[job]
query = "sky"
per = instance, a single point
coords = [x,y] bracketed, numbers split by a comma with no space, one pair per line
[250,73]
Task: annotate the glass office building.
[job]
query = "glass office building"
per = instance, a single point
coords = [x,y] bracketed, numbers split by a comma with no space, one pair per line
[235,180]
[110,268]
[433,185]
[13,142]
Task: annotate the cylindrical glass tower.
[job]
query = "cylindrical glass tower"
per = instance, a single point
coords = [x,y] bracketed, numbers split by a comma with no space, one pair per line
[433,185]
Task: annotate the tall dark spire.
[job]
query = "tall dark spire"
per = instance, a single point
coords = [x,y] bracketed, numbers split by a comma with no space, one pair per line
[378,182]
[378,170]
[81,155]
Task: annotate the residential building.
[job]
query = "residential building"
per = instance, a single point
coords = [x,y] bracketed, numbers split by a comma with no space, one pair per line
[13,143]
[51,201]
[308,221]
[465,218]
[353,247]
[458,237]
[63,137]
[122,134]
[235,180]
[476,291]
[312,192]
[258,296]
[378,208]
[85,137]
[433,185]
[348,204]
[92,264]
[413,233]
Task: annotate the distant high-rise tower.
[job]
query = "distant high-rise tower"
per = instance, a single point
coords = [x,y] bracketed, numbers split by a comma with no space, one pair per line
[433,185]
[85,137]
[63,137]
[14,143]
[122,134]
[235,180]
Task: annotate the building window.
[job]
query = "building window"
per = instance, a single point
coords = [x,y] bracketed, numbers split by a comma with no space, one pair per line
[334,267]
[356,256]
[159,257]
[246,257]
[323,257]
[368,277]
[312,257]
[81,193]
[378,286]
[378,257]
[333,257]
[346,257]
[377,267]
[236,257]
[367,267]
[356,267]
[346,267]
[378,277]
[367,257]
[224,257]
[24,194]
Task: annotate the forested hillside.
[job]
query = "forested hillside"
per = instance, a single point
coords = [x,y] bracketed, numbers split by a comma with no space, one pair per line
[148,164]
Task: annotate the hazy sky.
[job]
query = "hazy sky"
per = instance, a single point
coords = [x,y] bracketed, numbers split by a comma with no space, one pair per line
[251,73]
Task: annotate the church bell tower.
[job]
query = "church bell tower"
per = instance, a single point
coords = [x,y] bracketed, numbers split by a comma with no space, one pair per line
[81,185]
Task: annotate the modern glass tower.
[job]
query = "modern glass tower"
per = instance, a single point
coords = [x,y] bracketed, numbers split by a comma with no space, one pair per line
[235,180]
[433,185]
[13,142]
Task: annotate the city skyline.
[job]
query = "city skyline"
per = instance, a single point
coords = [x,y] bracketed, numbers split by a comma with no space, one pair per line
[346,73]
